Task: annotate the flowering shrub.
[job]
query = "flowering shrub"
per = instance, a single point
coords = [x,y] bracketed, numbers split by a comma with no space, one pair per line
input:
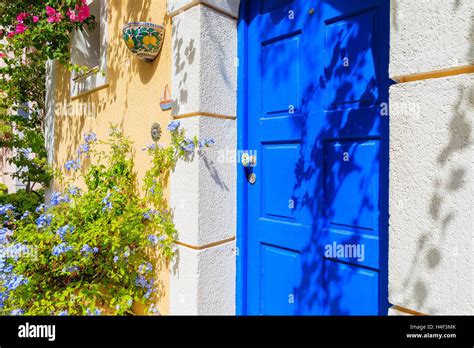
[93,251]
[34,31]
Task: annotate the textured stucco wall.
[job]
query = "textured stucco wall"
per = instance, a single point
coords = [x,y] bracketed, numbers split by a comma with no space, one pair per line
[204,67]
[228,6]
[431,235]
[131,99]
[203,281]
[203,192]
[431,197]
[429,35]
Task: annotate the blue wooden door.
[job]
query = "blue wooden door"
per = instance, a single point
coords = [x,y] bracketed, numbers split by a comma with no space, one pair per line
[315,117]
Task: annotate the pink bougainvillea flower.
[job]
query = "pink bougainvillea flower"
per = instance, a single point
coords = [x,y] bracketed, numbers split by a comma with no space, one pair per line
[2,55]
[80,14]
[10,34]
[35,19]
[20,28]
[72,16]
[21,17]
[53,15]
[83,12]
[50,11]
[55,18]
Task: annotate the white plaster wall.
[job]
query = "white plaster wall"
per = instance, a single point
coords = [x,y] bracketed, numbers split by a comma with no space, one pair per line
[204,281]
[218,63]
[431,254]
[427,35]
[203,191]
[216,293]
[184,282]
[50,108]
[186,61]
[204,66]
[228,6]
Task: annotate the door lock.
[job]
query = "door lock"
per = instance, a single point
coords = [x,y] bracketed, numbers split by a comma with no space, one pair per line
[248,160]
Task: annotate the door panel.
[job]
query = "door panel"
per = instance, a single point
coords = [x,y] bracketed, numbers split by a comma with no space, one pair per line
[317,73]
[351,60]
[349,299]
[280,74]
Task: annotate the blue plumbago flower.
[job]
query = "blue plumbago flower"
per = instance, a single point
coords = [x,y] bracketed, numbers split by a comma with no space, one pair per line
[116,258]
[4,209]
[17,312]
[107,204]
[84,148]
[40,208]
[153,310]
[5,268]
[155,239]
[61,248]
[142,282]
[61,232]
[14,281]
[63,313]
[4,234]
[126,253]
[73,164]
[117,307]
[17,250]
[57,198]
[152,147]
[148,293]
[129,302]
[96,312]
[44,220]
[147,215]
[188,145]
[86,249]
[70,269]
[174,126]
[90,138]
[25,215]
[145,268]
[27,153]
[74,191]
[205,143]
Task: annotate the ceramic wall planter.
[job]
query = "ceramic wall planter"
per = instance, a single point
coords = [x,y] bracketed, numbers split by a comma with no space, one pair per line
[144,39]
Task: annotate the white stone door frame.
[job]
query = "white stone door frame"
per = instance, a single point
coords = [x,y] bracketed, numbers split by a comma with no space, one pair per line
[203,191]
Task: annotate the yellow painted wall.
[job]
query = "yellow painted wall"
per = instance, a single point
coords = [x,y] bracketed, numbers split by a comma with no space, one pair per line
[131,99]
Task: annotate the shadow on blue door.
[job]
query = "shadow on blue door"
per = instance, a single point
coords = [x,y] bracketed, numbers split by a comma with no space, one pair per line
[319,119]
